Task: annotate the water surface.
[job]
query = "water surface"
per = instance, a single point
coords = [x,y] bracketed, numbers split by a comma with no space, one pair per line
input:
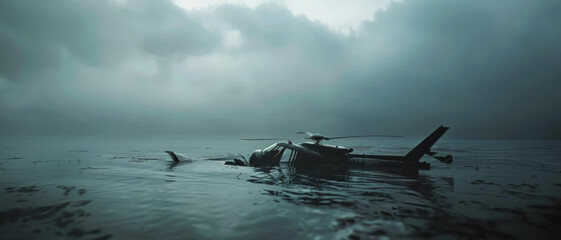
[115,189]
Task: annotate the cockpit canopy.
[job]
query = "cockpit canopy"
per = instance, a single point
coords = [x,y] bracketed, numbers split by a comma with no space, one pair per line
[277,152]
[273,148]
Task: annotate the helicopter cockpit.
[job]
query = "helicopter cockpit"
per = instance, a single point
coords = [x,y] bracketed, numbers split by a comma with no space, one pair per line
[277,153]
[269,156]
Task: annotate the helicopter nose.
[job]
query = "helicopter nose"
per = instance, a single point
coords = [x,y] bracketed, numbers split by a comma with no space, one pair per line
[256,159]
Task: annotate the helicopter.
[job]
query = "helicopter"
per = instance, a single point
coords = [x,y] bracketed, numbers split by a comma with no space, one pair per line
[313,154]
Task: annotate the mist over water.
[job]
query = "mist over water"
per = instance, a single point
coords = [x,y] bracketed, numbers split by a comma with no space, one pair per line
[113,189]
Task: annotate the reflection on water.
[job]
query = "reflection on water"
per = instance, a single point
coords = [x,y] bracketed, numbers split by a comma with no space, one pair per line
[375,196]
[132,189]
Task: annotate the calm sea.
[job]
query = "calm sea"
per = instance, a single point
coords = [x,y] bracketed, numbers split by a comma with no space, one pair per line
[128,189]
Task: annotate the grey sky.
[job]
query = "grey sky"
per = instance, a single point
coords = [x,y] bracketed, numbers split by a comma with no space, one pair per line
[488,69]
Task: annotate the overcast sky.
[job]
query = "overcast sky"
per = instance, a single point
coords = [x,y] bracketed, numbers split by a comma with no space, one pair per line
[487,69]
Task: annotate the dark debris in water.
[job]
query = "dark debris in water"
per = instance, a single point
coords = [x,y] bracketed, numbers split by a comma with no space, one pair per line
[482,182]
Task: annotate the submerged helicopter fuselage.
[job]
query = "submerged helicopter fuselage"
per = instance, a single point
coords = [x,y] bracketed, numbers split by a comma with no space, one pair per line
[313,154]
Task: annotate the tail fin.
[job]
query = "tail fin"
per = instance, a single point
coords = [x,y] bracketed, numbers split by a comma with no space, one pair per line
[178,157]
[424,147]
[173,156]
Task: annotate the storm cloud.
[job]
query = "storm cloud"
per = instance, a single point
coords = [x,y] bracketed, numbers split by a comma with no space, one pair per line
[487,69]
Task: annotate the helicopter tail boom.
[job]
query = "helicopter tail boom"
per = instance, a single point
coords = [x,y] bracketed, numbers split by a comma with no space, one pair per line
[415,154]
[424,147]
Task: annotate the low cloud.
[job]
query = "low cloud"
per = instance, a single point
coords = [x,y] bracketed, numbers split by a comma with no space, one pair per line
[487,69]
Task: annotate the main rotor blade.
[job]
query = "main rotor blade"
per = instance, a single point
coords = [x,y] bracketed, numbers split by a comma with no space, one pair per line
[307,133]
[260,139]
[372,135]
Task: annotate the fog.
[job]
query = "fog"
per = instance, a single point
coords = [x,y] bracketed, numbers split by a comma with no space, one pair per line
[487,69]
